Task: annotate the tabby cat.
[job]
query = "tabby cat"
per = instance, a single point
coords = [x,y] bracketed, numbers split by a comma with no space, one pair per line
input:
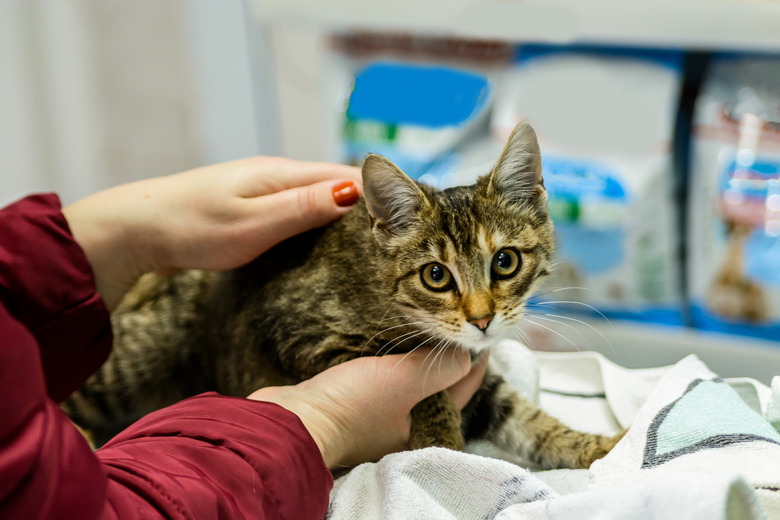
[412,266]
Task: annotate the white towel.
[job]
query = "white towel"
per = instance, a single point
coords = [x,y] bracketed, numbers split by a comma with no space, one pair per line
[710,454]
[694,425]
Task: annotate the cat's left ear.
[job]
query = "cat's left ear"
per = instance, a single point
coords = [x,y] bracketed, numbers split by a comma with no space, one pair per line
[393,199]
[518,172]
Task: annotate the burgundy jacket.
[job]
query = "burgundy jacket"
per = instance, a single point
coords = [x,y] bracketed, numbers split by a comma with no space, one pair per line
[210,456]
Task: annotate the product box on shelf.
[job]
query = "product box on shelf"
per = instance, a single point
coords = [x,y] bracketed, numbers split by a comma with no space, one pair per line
[422,102]
[734,198]
[605,120]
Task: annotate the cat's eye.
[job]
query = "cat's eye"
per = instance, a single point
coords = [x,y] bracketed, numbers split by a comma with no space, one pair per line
[506,263]
[436,277]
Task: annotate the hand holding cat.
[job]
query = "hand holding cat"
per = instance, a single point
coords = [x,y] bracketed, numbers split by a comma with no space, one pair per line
[360,410]
[216,217]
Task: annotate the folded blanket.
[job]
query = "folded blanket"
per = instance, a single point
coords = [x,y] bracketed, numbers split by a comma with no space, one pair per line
[698,447]
[695,425]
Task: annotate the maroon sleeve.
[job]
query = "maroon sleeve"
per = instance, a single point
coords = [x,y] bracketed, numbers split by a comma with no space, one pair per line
[46,283]
[213,456]
[207,457]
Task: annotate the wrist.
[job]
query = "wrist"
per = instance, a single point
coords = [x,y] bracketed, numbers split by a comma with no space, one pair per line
[108,241]
[319,426]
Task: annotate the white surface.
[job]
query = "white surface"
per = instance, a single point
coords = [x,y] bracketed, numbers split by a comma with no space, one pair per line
[636,345]
[712,479]
[21,168]
[221,53]
[695,24]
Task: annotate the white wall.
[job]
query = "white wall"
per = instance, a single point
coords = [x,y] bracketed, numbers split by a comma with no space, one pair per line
[94,94]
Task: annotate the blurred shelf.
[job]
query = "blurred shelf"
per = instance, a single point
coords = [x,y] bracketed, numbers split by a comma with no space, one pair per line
[690,24]
[730,25]
[637,345]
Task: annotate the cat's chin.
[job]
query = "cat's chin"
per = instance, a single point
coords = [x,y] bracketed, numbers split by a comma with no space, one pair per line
[478,346]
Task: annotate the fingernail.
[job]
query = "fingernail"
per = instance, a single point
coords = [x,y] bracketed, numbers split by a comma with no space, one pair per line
[345,193]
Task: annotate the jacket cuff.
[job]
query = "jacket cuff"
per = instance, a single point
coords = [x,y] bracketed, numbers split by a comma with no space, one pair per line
[290,477]
[47,284]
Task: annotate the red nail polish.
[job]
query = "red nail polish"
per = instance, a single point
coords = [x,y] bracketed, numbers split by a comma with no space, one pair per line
[345,194]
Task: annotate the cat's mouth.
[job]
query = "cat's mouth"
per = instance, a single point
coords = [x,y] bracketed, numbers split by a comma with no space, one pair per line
[477,340]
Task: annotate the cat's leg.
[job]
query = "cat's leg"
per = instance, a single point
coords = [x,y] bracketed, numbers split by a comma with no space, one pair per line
[498,413]
[436,421]
[154,360]
[123,390]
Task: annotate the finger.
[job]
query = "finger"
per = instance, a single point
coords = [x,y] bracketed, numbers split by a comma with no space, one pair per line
[413,377]
[274,174]
[300,209]
[462,391]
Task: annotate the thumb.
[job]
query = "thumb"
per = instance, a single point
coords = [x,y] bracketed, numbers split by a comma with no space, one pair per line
[303,208]
[413,377]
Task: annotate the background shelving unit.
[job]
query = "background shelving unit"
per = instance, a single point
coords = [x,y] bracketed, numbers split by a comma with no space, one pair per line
[689,24]
[296,39]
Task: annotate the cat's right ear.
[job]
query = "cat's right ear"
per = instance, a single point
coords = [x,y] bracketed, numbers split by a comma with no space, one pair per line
[392,198]
[517,175]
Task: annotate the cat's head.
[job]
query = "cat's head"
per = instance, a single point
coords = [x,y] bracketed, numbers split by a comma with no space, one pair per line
[462,262]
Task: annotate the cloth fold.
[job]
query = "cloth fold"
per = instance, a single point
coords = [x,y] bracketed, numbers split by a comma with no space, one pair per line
[698,447]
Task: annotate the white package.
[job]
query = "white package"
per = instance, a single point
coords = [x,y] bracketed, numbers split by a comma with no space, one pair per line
[734,208]
[605,122]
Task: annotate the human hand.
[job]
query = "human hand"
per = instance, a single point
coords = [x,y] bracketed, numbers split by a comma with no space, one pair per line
[359,411]
[216,217]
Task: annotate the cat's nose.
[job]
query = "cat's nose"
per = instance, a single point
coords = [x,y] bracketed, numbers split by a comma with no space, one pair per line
[482,322]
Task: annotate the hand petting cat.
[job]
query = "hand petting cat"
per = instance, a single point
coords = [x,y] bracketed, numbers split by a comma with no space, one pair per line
[359,411]
[215,217]
[223,216]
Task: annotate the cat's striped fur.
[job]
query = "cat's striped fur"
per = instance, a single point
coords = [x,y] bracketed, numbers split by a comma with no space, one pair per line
[412,266]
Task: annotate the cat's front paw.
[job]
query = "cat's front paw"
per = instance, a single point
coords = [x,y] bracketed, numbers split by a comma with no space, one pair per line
[428,439]
[598,448]
[436,422]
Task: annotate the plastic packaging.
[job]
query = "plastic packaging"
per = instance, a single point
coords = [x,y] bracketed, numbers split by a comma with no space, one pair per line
[734,206]
[605,120]
[422,102]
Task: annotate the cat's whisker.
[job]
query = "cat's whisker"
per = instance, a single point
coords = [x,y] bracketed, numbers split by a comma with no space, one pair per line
[452,357]
[423,343]
[441,351]
[384,383]
[363,348]
[585,323]
[570,302]
[389,306]
[368,341]
[556,333]
[404,316]
[444,349]
[441,340]
[437,351]
[439,356]
[389,346]
[557,289]
[553,265]
[523,337]
[567,325]
[396,366]
[404,358]
[384,318]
